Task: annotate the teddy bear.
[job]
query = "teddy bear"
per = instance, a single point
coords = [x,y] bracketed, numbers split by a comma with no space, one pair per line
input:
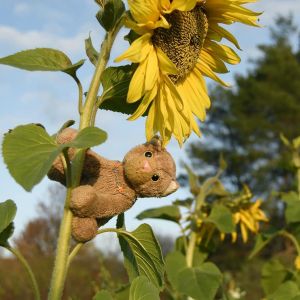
[109,188]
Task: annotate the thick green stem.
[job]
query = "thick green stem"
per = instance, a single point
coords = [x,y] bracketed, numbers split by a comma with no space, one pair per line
[25,264]
[63,246]
[191,250]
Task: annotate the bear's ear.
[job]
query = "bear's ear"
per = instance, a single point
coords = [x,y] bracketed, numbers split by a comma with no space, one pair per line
[156,142]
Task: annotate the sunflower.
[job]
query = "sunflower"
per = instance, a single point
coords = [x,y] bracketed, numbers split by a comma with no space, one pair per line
[177,47]
[248,219]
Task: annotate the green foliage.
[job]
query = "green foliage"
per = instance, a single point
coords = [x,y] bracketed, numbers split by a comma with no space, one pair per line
[103,295]
[292,211]
[29,151]
[288,290]
[111,13]
[115,81]
[142,254]
[142,289]
[8,211]
[42,59]
[201,282]
[221,216]
[90,51]
[170,212]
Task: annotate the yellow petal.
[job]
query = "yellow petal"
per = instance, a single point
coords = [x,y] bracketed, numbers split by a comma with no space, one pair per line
[223,33]
[215,63]
[244,233]
[150,122]
[138,50]
[144,11]
[206,71]
[183,5]
[165,64]
[152,70]
[137,83]
[147,99]
[222,51]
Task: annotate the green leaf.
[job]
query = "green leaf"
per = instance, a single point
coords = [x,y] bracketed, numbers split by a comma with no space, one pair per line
[193,181]
[287,290]
[200,283]
[29,152]
[296,142]
[115,81]
[42,59]
[8,211]
[103,295]
[6,234]
[169,212]
[142,289]
[88,137]
[221,216]
[273,274]
[131,36]
[292,210]
[123,293]
[110,14]
[184,203]
[90,51]
[175,262]
[261,241]
[142,254]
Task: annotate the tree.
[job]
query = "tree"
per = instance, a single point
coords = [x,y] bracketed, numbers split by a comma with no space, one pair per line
[245,123]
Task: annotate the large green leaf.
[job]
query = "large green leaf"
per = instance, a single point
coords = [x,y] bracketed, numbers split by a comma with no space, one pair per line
[200,283]
[8,211]
[88,137]
[292,210]
[115,81]
[175,262]
[29,151]
[142,254]
[222,217]
[42,59]
[103,295]
[287,290]
[142,289]
[169,212]
[110,14]
[273,274]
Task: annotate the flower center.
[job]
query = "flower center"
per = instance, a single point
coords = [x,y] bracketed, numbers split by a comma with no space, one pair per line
[182,43]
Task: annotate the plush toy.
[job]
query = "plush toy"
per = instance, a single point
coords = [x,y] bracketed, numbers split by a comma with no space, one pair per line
[109,188]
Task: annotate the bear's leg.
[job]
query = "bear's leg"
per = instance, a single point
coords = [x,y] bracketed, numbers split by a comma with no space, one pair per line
[82,201]
[84,229]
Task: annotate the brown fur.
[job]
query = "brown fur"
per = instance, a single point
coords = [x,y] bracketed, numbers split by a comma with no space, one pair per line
[108,188]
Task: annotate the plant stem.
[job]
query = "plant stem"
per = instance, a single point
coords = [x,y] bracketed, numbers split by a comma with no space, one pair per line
[74,253]
[28,269]
[191,249]
[292,239]
[64,238]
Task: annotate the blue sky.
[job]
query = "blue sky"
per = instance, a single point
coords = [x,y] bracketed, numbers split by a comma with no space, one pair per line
[51,98]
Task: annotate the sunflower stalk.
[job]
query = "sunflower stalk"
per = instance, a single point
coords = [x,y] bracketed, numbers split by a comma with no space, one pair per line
[87,118]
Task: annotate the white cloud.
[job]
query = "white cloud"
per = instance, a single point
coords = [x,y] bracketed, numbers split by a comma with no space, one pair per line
[21,8]
[13,38]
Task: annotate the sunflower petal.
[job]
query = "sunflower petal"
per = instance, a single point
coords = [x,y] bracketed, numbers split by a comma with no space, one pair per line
[183,5]
[144,11]
[165,64]
[138,50]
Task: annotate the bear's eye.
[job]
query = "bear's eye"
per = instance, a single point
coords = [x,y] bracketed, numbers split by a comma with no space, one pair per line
[155,177]
[148,154]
